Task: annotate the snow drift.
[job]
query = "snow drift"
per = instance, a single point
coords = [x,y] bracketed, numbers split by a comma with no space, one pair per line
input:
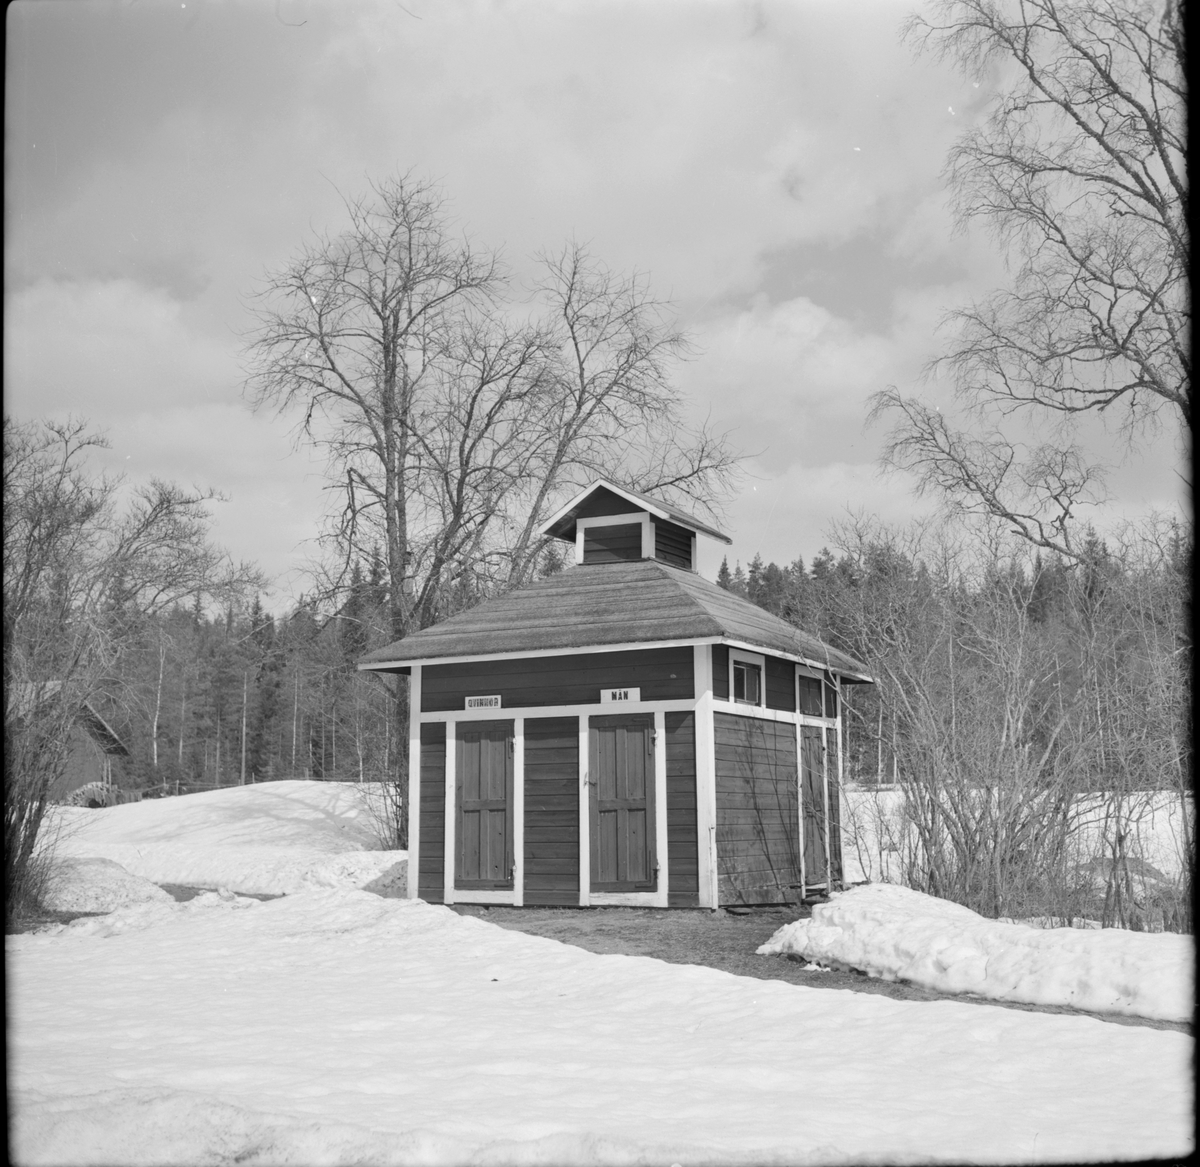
[271,838]
[97,885]
[895,933]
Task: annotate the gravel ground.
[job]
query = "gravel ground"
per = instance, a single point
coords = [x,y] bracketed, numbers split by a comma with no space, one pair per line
[726,941]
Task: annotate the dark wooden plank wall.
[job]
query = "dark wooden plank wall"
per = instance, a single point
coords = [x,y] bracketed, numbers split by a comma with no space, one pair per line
[816,830]
[605,502]
[835,819]
[662,674]
[683,865]
[781,684]
[612,544]
[720,663]
[758,854]
[432,845]
[672,544]
[552,811]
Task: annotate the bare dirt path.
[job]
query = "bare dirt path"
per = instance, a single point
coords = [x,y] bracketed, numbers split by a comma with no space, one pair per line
[726,941]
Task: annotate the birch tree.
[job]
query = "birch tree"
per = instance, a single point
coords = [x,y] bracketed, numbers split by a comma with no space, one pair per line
[84,562]
[1080,172]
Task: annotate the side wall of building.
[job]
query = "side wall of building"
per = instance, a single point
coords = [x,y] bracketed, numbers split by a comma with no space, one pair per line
[432,855]
[758,847]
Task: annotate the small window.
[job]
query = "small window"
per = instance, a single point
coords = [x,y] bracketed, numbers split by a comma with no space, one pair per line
[747,683]
[810,697]
[831,701]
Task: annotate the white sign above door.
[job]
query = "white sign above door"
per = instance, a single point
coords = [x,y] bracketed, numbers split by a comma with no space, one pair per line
[619,696]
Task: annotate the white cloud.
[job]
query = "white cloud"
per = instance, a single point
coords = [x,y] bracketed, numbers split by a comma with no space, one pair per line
[128,359]
[775,167]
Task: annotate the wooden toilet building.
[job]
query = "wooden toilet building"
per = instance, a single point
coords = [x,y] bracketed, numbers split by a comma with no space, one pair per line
[623,732]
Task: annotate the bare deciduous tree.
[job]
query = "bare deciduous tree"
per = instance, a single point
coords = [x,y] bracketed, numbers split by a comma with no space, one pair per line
[1080,171]
[81,567]
[453,419]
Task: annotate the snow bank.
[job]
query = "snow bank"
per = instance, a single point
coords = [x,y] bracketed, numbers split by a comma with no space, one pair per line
[326,816]
[336,1027]
[97,885]
[272,838]
[898,934]
[259,870]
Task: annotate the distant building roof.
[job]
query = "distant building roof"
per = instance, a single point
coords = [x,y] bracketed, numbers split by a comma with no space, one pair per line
[26,696]
[604,498]
[636,602]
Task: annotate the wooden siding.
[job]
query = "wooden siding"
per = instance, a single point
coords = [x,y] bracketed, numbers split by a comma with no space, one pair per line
[781,684]
[835,819]
[662,674]
[672,544]
[603,501]
[720,659]
[758,854]
[432,856]
[812,758]
[612,544]
[552,811]
[683,876]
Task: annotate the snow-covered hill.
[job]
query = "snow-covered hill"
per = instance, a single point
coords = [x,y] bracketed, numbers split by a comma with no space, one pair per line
[269,838]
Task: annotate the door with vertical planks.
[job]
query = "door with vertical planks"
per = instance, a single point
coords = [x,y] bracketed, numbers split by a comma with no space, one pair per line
[621,783]
[484,798]
[812,798]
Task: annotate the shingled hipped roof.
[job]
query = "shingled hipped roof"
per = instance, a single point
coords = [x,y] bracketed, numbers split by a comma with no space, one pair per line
[639,602]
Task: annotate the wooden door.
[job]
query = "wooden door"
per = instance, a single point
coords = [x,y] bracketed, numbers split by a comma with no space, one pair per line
[812,796]
[621,780]
[484,795]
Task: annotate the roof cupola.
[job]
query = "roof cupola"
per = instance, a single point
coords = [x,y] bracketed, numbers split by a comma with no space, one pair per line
[611,524]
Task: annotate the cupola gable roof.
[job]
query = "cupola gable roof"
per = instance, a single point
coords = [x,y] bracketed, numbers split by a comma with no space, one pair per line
[605,498]
[639,602]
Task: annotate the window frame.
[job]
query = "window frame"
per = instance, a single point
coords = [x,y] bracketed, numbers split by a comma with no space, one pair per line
[826,680]
[755,660]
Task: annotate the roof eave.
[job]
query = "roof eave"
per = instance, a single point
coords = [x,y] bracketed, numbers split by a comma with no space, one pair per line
[808,661]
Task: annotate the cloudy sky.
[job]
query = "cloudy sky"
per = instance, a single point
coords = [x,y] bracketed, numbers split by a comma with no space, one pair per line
[774,167]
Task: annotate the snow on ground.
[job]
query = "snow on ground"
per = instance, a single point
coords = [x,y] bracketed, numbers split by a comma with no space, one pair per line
[97,885]
[267,838]
[340,1027]
[899,934]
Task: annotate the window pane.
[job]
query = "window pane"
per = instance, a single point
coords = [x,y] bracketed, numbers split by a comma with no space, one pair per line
[810,697]
[739,682]
[754,684]
[830,701]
